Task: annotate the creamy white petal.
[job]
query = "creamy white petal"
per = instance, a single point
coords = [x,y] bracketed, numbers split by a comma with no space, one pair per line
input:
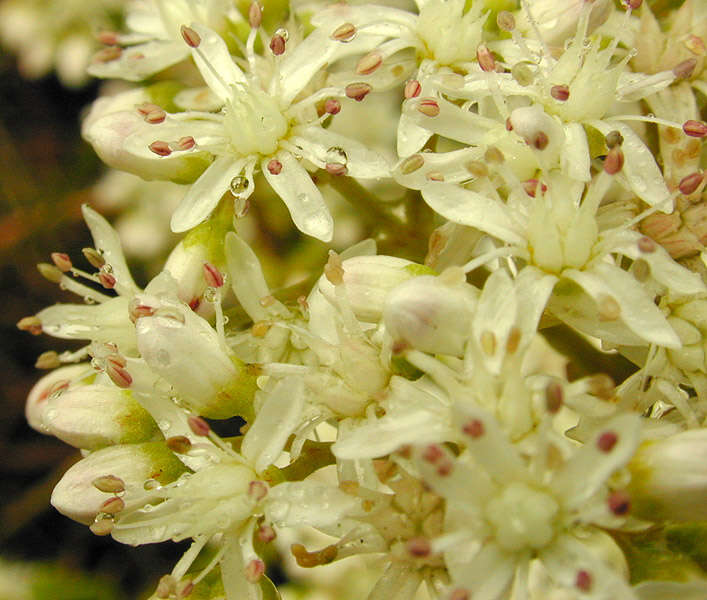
[139,62]
[574,158]
[452,166]
[247,277]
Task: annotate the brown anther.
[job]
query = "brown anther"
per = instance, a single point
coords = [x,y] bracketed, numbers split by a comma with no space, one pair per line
[619,503]
[266,534]
[185,143]
[694,128]
[513,340]
[488,342]
[344,32]
[110,484]
[641,270]
[116,359]
[583,580]
[146,108]
[336,169]
[485,58]
[113,505]
[601,386]
[212,275]
[30,324]
[274,167]
[531,187]
[474,428]
[399,347]
[560,92]
[685,69]
[107,54]
[614,161]
[633,4]
[613,139]
[166,586]
[432,453]
[160,148]
[47,360]
[107,279]
[334,270]
[554,397]
[695,44]
[179,444]
[609,308]
[540,141]
[411,164]
[136,311]
[254,570]
[50,272]
[444,467]
[184,589]
[277,45]
[646,245]
[257,490]
[428,107]
[419,547]
[494,155]
[332,106]
[434,176]
[369,63]
[505,21]
[191,37]
[156,116]
[109,38]
[119,375]
[255,15]
[313,559]
[689,184]
[477,168]
[62,261]
[357,91]
[101,527]
[607,440]
[94,257]
[412,89]
[509,124]
[198,426]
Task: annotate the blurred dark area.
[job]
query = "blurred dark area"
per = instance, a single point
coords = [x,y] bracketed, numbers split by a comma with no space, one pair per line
[46,173]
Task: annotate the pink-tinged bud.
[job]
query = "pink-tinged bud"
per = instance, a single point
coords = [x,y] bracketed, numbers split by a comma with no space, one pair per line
[105,55]
[332,106]
[430,315]
[213,277]
[277,45]
[560,92]
[255,15]
[685,69]
[160,148]
[274,167]
[344,33]
[62,261]
[50,272]
[428,107]
[695,128]
[336,169]
[369,63]
[614,161]
[191,37]
[485,58]
[121,469]
[689,184]
[30,324]
[254,570]
[357,91]
[412,89]
[198,426]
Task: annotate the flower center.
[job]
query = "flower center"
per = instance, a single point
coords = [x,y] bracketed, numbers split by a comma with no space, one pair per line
[254,122]
[522,517]
[450,36]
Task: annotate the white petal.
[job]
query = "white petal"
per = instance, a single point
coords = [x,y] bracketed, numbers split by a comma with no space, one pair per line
[247,277]
[488,575]
[451,165]
[206,192]
[303,199]
[399,582]
[107,242]
[411,137]
[215,63]
[470,208]
[533,289]
[137,63]
[574,158]
[235,584]
[496,314]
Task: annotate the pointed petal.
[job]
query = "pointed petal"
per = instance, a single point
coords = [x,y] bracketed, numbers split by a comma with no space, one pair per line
[309,503]
[450,165]
[411,137]
[488,575]
[574,158]
[137,63]
[206,192]
[215,63]
[303,199]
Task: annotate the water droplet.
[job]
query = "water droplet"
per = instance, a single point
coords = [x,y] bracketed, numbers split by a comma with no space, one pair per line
[97,364]
[335,154]
[148,507]
[283,33]
[107,268]
[163,358]
[226,319]
[88,300]
[164,425]
[50,415]
[151,484]
[239,184]
[210,294]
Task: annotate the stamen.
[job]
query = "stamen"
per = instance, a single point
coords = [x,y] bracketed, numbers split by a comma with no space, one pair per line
[212,275]
[344,33]
[185,143]
[505,21]
[108,54]
[432,453]
[191,37]
[332,106]
[412,89]
[607,440]
[613,139]
[166,587]
[277,45]
[488,342]
[110,38]
[155,116]
[94,257]
[412,164]
[685,69]
[614,161]
[47,360]
[428,107]
[118,375]
[695,128]
[198,426]
[255,15]
[257,490]
[113,505]
[609,309]
[474,428]
[513,340]
[601,386]
[266,534]
[313,559]
[106,277]
[695,44]
[554,397]
[485,58]
[531,187]
[560,92]
[689,184]
[619,503]
[109,484]
[583,581]
[184,589]
[634,4]
[419,547]
[179,444]
[160,148]
[336,169]
[541,140]
[62,261]
[50,272]
[30,324]
[369,63]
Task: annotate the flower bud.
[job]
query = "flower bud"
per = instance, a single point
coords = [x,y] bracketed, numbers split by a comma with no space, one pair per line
[94,416]
[186,265]
[78,498]
[430,315]
[669,478]
[38,396]
[184,349]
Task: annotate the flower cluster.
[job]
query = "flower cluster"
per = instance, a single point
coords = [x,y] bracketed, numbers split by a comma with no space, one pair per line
[508,401]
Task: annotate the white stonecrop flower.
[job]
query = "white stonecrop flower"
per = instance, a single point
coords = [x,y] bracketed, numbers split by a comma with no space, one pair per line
[154,41]
[503,510]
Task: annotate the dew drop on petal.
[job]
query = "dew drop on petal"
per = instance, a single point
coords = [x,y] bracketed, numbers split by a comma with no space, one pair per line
[336,154]
[239,184]
[283,33]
